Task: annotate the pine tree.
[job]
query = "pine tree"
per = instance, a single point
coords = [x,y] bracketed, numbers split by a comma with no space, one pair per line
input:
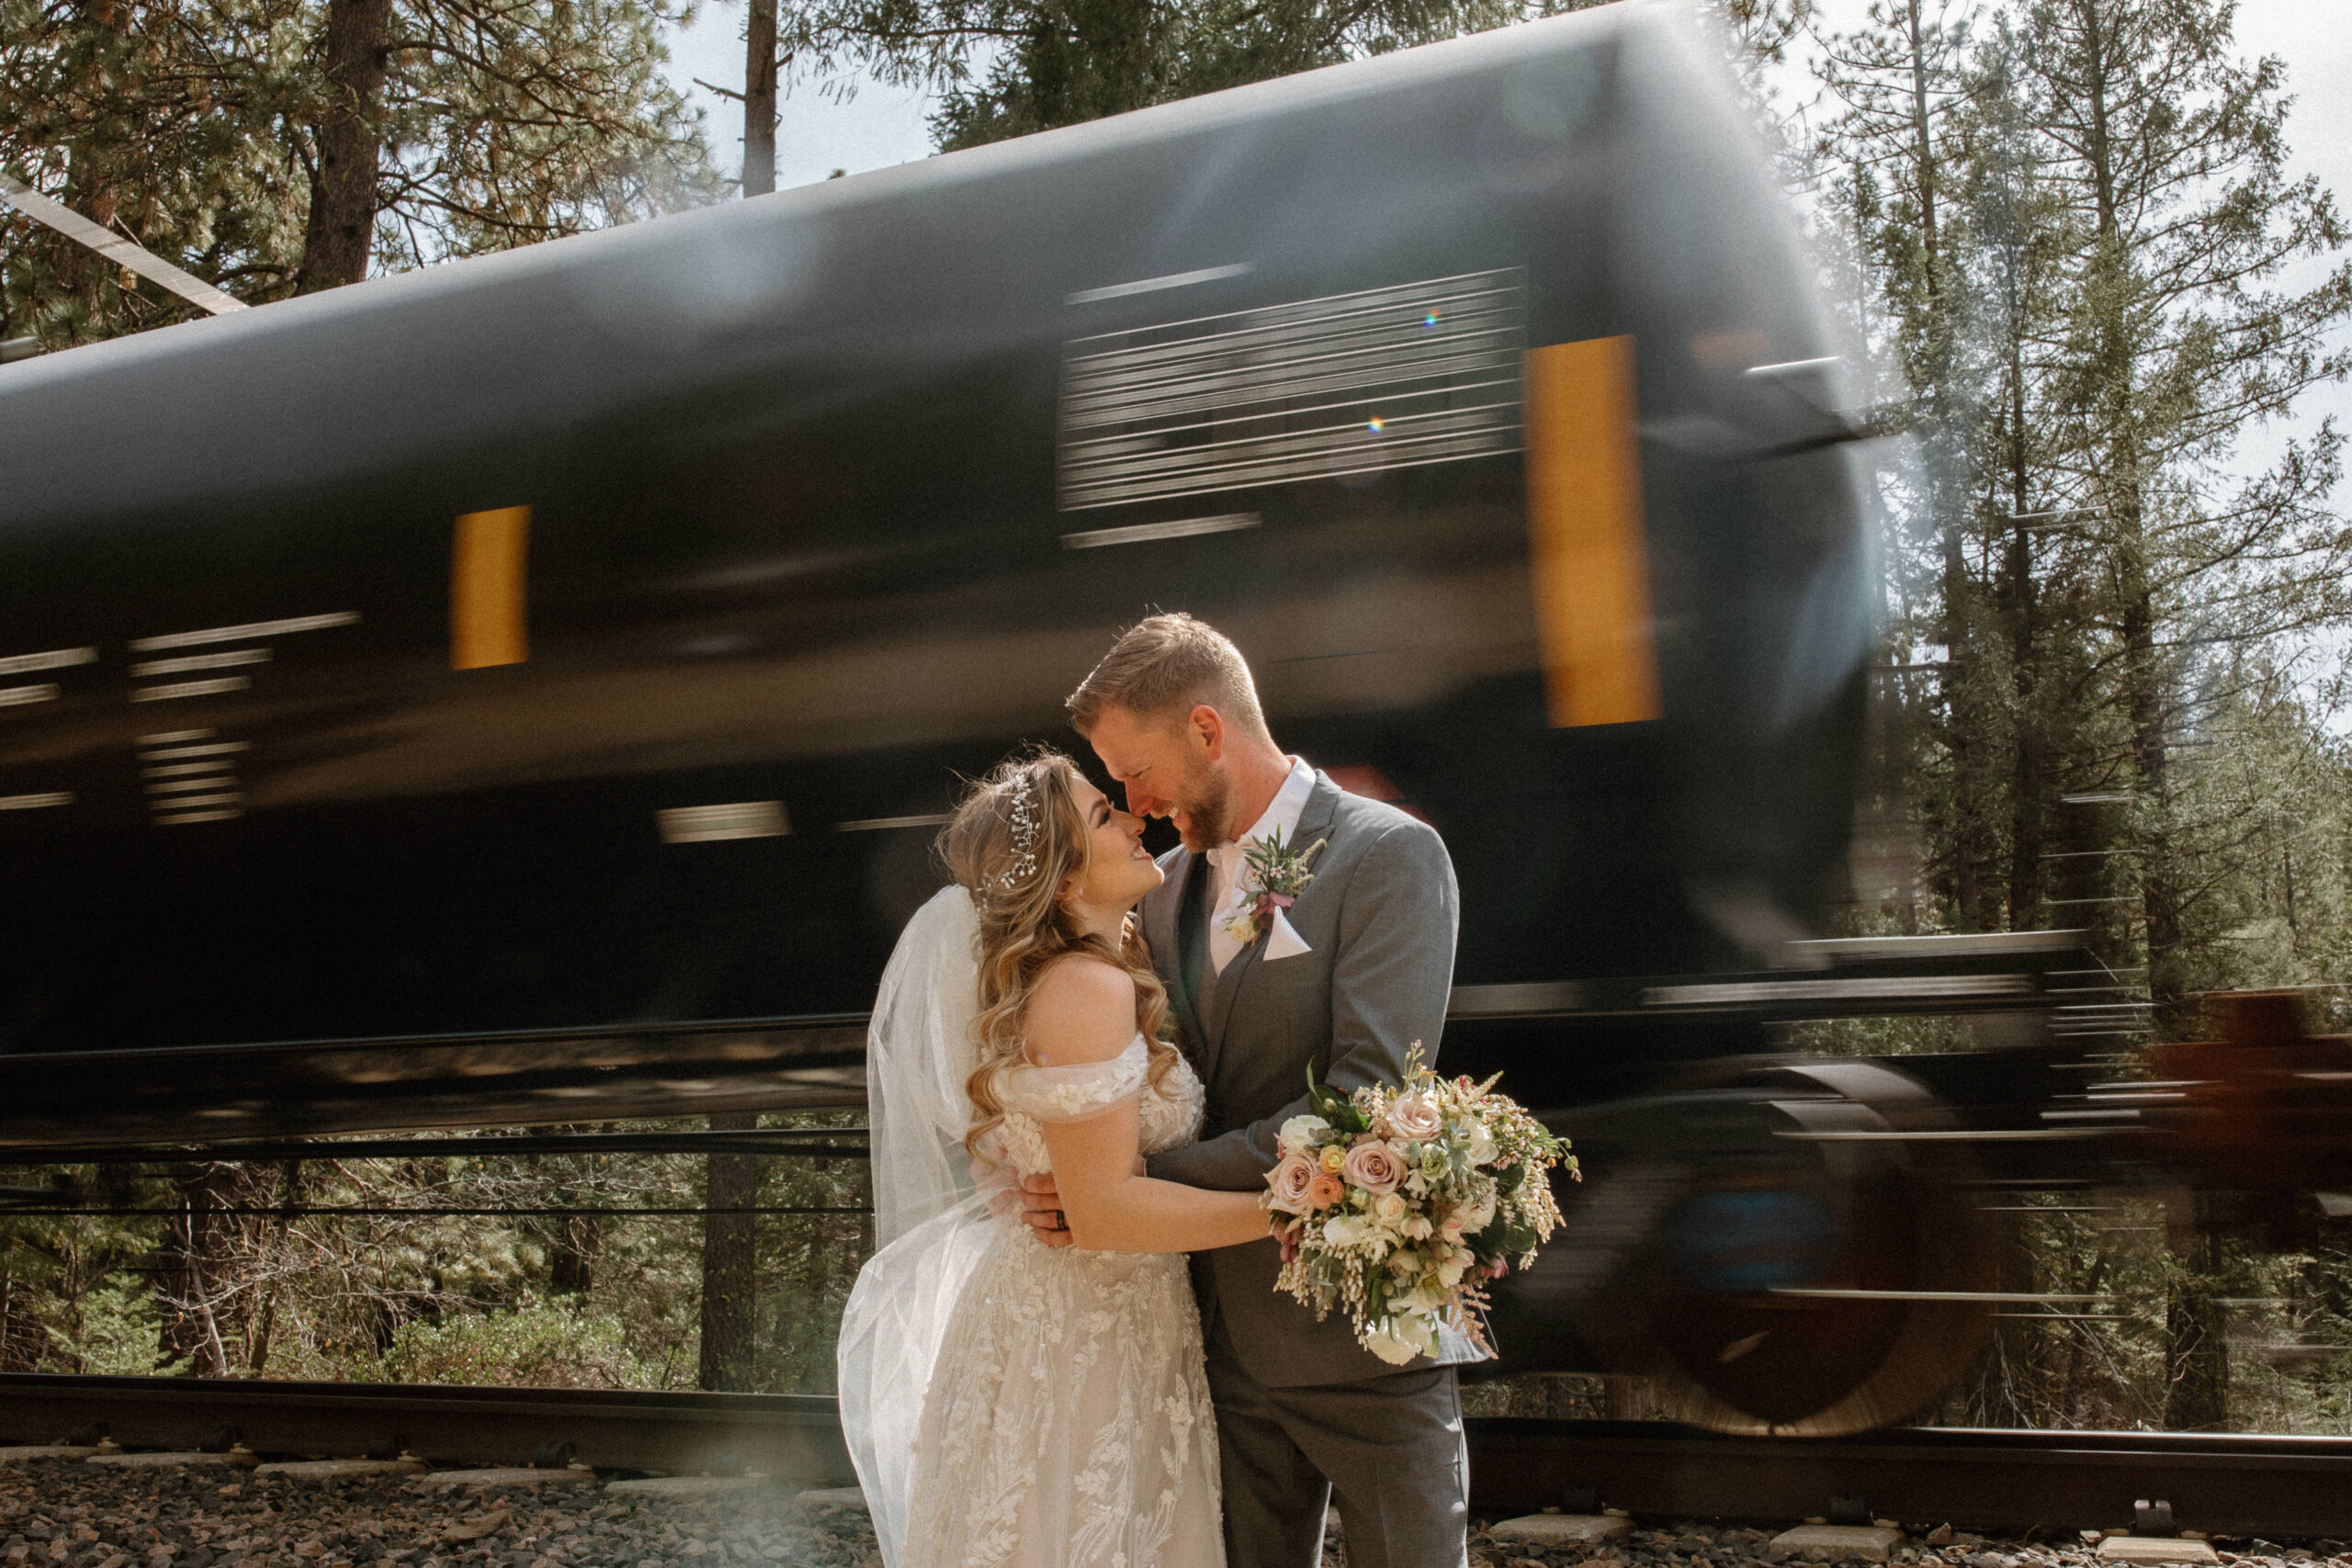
[1054,63]
[2166,157]
[275,145]
[1900,79]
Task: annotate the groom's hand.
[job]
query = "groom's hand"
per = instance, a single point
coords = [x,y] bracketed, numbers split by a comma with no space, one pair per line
[1041,1206]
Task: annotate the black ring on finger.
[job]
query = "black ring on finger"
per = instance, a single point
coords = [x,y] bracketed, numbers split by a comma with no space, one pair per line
[1060,1222]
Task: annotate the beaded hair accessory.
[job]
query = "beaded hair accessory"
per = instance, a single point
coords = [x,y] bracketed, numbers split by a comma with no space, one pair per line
[1025,834]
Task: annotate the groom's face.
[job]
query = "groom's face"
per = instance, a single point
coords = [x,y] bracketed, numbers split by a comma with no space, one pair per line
[1172,768]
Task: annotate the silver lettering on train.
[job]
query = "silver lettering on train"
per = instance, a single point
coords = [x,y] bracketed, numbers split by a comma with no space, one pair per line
[245,633]
[228,660]
[55,659]
[1334,388]
[1154,285]
[1145,532]
[711,824]
[212,688]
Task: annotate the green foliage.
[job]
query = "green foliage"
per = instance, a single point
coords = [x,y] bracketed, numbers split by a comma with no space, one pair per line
[2064,228]
[526,1295]
[1006,68]
[536,1344]
[193,129]
[121,1321]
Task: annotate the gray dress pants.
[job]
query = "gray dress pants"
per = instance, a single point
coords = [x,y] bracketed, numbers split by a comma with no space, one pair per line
[1389,1450]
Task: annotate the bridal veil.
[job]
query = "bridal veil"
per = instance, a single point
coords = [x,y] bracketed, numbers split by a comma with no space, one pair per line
[930,1228]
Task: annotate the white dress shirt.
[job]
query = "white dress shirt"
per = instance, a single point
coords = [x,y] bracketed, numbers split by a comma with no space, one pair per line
[1227,866]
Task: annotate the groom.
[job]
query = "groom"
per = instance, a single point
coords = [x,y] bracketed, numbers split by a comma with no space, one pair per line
[1303,1411]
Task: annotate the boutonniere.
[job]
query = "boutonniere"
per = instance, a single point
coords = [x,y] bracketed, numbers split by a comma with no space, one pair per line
[1273,876]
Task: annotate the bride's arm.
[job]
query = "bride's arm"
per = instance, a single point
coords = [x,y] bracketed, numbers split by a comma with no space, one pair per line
[1082,1012]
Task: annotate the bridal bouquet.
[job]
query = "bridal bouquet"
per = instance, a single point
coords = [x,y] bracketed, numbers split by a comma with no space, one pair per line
[1404,1203]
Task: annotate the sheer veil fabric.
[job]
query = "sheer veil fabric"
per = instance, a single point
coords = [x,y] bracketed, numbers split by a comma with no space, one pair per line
[1009,1404]
[930,1225]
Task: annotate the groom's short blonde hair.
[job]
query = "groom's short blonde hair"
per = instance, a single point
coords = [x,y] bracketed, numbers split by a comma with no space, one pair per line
[1163,668]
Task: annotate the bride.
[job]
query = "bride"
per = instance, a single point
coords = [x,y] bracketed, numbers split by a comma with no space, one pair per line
[1006,1402]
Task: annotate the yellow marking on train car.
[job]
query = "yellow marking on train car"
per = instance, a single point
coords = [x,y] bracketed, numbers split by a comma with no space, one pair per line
[486,589]
[1586,541]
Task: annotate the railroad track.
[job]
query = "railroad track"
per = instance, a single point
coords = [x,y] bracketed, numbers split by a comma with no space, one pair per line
[2282,1487]
[783,1435]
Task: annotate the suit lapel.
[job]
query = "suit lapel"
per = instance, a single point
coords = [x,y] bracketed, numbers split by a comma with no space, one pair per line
[1314,821]
[1164,921]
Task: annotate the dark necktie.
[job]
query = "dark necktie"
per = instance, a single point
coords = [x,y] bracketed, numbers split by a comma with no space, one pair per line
[1193,930]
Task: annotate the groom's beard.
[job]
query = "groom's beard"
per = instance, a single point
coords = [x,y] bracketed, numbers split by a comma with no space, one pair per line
[1207,806]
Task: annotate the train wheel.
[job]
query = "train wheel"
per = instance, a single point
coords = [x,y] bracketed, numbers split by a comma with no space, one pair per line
[1769,1249]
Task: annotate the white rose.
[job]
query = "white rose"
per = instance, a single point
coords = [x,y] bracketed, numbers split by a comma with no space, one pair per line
[1301,1134]
[1390,1207]
[1482,1144]
[1414,1118]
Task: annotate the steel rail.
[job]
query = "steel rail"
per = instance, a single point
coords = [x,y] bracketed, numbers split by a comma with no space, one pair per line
[2287,1488]
[783,1435]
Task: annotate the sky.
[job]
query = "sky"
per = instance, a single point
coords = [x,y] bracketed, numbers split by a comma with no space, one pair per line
[2314,38]
[872,128]
[880,126]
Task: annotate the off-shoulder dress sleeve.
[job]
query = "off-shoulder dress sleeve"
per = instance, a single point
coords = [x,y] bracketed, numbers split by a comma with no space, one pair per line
[1079,1093]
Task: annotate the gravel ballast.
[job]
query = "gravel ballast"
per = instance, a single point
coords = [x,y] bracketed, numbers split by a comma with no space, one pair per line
[62,1513]
[65,1514]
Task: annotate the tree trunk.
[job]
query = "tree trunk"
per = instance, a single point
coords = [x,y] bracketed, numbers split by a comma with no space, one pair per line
[2025,675]
[90,187]
[759,100]
[729,1259]
[2116,357]
[2197,1357]
[341,229]
[203,1288]
[572,1255]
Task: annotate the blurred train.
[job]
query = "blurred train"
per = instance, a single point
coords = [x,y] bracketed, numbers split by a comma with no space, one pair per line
[527,690]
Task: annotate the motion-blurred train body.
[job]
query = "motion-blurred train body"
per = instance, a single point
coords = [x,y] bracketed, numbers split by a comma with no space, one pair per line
[530,686]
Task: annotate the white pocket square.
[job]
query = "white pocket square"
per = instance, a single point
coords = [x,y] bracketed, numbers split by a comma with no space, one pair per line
[1281,942]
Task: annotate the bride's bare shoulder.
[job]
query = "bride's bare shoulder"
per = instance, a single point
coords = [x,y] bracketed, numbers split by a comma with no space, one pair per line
[1082,1009]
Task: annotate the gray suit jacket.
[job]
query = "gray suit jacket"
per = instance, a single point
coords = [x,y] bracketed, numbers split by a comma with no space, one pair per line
[1380,917]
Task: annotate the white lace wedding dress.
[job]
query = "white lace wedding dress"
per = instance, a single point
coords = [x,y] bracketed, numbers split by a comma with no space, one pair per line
[1067,1423]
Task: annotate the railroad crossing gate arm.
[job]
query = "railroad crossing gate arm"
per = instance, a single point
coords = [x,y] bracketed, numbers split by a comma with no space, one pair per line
[114,247]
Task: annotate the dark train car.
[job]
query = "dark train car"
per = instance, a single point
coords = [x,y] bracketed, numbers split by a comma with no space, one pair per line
[545,673]
[584,636]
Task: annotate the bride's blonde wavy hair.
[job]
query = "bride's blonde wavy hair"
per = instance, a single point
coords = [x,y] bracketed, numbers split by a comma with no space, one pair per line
[1016,872]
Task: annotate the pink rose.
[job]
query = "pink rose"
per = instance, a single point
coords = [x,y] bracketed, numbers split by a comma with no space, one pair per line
[1413,1118]
[1325,1190]
[1287,1184]
[1374,1166]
